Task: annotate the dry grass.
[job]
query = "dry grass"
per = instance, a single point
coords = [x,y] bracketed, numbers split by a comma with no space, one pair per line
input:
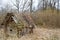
[47,17]
[44,19]
[39,34]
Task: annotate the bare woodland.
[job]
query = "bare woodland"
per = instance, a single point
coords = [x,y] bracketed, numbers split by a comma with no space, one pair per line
[21,20]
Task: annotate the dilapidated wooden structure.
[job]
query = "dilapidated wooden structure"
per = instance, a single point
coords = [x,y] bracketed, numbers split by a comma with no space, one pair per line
[14,27]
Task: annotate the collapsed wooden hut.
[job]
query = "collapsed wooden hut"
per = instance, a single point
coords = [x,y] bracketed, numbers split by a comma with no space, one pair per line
[14,27]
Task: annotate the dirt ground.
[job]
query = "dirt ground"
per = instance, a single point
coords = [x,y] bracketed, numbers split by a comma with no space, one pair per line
[39,34]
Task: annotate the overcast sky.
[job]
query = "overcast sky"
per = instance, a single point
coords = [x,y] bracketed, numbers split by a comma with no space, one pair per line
[4,2]
[35,3]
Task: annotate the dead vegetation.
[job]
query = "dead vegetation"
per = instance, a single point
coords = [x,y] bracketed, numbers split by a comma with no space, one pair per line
[47,28]
[11,27]
[47,17]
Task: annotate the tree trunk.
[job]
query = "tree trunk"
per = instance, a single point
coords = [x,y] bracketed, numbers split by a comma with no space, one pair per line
[31,6]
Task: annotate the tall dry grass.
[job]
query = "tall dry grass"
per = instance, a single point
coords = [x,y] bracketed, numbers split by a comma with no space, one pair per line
[47,17]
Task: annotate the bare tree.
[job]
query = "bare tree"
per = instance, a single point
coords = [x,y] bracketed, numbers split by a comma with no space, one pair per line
[58,6]
[20,3]
[39,4]
[44,4]
[24,5]
[16,4]
[31,5]
[54,3]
